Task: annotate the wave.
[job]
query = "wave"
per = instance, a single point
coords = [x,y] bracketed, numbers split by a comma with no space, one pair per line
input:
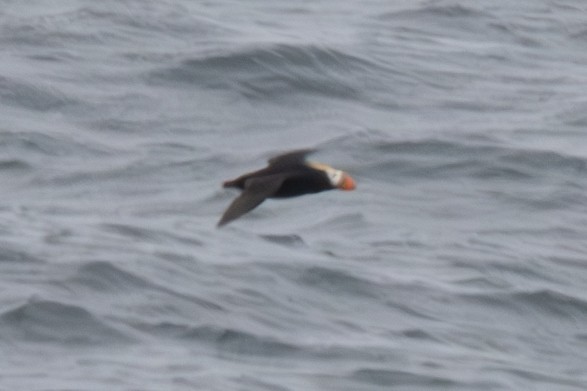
[23,143]
[388,378]
[436,21]
[28,152]
[285,240]
[338,282]
[235,341]
[441,159]
[14,164]
[52,321]
[17,256]
[550,303]
[438,11]
[142,234]
[22,94]
[240,342]
[103,276]
[553,302]
[273,71]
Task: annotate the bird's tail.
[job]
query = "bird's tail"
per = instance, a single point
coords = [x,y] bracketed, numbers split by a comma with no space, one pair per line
[231,183]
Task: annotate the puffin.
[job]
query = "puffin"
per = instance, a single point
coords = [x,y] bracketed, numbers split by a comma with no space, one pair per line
[287,175]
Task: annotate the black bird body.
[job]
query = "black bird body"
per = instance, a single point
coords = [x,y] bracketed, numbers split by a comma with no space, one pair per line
[297,180]
[287,175]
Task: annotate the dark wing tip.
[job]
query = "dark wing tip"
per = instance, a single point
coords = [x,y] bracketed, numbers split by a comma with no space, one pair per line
[239,206]
[222,222]
[291,158]
[255,192]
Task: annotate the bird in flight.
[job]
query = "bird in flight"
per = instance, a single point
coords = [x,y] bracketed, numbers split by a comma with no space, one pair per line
[287,175]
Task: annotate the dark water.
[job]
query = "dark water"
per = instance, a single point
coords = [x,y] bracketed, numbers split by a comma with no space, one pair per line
[459,263]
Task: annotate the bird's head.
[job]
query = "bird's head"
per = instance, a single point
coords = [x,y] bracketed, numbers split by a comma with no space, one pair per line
[338,178]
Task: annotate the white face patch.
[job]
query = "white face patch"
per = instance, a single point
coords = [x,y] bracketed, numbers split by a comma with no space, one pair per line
[334,175]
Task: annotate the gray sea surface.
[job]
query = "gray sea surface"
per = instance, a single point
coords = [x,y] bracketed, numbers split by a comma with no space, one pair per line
[458,263]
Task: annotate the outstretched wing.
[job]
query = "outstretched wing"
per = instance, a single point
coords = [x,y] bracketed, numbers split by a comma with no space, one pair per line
[293,158]
[255,192]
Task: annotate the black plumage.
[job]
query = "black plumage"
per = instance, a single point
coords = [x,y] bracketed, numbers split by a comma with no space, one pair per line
[287,175]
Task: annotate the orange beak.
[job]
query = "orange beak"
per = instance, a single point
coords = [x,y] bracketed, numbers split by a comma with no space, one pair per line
[347,182]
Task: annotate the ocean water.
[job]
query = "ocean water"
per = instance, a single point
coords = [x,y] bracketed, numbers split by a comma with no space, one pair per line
[458,263]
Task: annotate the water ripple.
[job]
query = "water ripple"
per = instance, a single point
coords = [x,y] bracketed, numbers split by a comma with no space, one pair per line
[53,321]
